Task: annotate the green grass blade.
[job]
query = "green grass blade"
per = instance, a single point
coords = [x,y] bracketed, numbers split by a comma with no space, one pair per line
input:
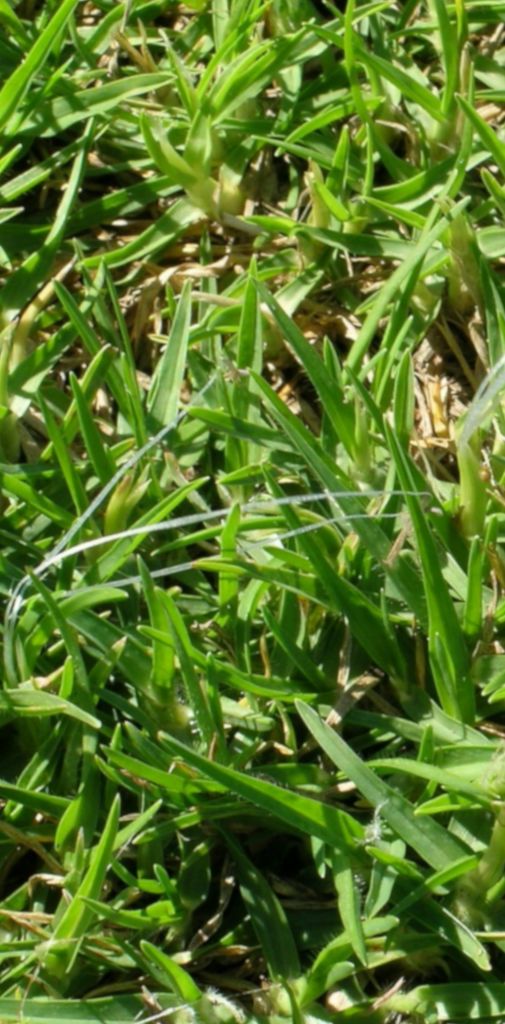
[454,688]
[267,915]
[163,397]
[77,915]
[294,810]
[434,844]
[19,82]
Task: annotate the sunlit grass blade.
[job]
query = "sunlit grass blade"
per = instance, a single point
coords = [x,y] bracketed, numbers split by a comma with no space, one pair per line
[434,844]
[22,284]
[163,398]
[435,226]
[77,916]
[252,469]
[449,656]
[294,810]
[19,82]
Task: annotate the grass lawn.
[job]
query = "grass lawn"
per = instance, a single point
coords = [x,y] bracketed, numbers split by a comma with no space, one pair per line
[252,485]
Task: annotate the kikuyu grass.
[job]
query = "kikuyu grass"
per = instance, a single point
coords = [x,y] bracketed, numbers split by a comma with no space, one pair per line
[304,730]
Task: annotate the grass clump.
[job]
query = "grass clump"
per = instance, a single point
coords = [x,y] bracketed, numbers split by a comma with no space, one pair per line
[251,470]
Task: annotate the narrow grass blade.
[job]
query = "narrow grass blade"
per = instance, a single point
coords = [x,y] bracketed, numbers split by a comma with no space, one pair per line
[267,915]
[32,703]
[454,688]
[489,138]
[19,82]
[24,281]
[163,398]
[77,916]
[349,903]
[294,810]
[434,844]
[409,268]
